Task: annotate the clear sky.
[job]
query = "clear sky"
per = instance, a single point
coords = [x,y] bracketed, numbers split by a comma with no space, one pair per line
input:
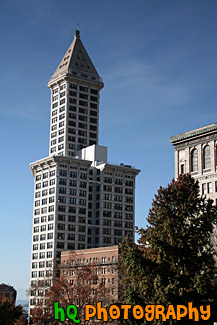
[158,60]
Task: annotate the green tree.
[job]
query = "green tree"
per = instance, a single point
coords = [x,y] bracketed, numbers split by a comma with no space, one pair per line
[174,261]
[9,314]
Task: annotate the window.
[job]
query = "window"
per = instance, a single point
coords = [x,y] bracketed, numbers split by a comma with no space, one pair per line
[45,184]
[49,245]
[44,201]
[41,274]
[62,199]
[34,265]
[72,200]
[94,91]
[52,181]
[50,227]
[50,236]
[42,255]
[54,120]
[51,217]
[82,202]
[41,264]
[182,169]
[52,190]
[49,254]
[73,86]
[84,89]
[71,218]
[209,188]
[194,160]
[51,208]
[44,192]
[61,226]
[34,256]
[42,246]
[60,245]
[54,127]
[71,227]
[37,194]
[81,228]
[60,235]
[118,223]
[35,247]
[107,180]
[106,231]
[43,219]
[34,275]
[42,237]
[51,199]
[61,208]
[203,188]
[93,98]
[52,173]
[63,172]
[44,210]
[206,157]
[84,96]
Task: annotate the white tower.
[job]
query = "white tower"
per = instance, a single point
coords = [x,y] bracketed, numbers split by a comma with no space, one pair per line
[75,88]
[80,200]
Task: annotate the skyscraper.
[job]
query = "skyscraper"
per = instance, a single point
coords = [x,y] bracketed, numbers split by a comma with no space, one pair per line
[80,200]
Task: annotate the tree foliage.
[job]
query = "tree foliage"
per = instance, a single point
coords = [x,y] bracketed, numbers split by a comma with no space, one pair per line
[174,261]
[9,314]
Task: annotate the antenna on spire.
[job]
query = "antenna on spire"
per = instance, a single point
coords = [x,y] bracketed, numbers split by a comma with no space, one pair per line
[77,32]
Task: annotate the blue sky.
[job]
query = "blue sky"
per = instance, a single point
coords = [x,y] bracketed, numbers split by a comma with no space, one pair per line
[158,62]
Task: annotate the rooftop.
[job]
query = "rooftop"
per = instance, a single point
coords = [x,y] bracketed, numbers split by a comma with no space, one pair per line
[193,133]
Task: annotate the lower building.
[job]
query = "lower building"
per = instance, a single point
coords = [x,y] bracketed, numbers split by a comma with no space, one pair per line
[80,202]
[8,292]
[95,268]
[196,153]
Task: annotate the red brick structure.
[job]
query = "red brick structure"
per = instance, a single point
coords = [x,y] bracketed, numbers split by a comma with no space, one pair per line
[104,261]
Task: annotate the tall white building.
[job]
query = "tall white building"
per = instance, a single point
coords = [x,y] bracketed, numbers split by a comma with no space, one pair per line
[80,200]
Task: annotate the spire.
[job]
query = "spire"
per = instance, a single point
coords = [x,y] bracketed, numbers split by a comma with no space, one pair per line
[76,61]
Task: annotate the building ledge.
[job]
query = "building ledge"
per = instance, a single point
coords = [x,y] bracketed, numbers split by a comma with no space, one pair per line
[193,133]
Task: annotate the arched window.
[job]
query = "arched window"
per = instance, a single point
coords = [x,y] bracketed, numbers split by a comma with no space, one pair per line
[206,157]
[194,160]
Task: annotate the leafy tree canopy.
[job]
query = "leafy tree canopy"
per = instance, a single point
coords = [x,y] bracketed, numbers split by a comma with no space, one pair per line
[9,314]
[174,261]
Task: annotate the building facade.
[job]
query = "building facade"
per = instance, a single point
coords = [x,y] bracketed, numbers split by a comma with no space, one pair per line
[195,153]
[81,201]
[103,260]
